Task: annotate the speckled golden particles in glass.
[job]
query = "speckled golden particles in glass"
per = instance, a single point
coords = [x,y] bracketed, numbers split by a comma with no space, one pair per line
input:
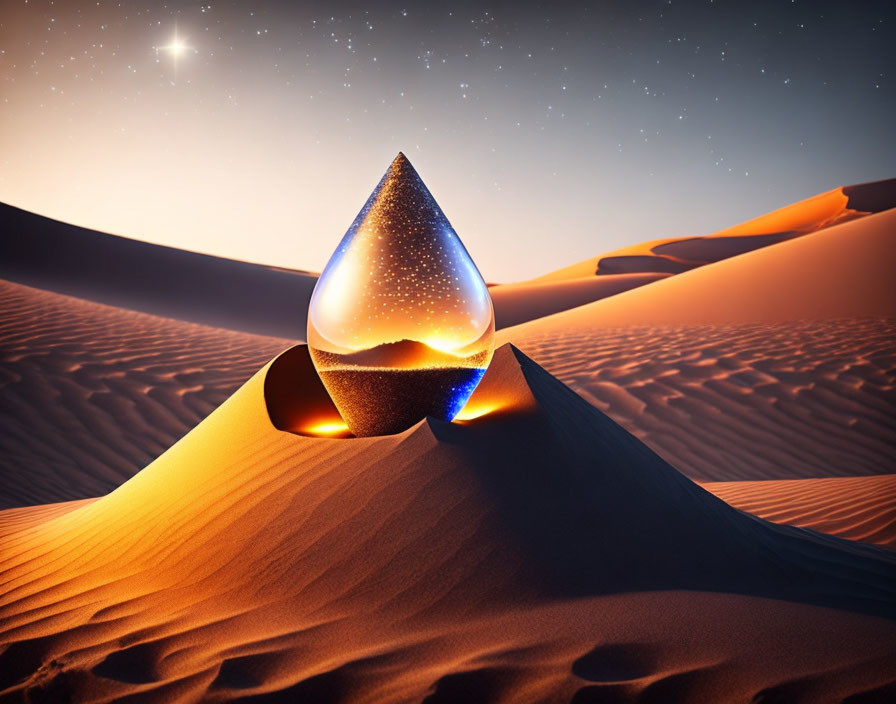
[401,324]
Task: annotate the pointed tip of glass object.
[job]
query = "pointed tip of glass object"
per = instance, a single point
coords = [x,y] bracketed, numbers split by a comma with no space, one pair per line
[401,323]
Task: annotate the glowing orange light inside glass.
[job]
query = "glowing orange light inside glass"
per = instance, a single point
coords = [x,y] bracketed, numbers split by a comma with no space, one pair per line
[327,429]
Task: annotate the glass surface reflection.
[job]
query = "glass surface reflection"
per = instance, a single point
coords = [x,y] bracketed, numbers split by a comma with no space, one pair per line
[401,324]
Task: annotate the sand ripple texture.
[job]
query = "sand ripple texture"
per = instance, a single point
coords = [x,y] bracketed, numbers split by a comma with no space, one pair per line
[90,394]
[451,563]
[856,508]
[742,402]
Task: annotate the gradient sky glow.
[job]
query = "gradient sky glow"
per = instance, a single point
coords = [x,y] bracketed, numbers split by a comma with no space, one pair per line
[547,134]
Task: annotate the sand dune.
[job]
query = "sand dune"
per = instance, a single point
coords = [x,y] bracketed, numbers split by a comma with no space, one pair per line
[104,268]
[842,271]
[709,369]
[214,291]
[471,561]
[89,394]
[164,281]
[678,254]
[856,508]
[647,262]
[519,303]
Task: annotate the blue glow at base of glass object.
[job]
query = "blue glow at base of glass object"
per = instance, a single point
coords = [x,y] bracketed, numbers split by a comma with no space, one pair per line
[460,393]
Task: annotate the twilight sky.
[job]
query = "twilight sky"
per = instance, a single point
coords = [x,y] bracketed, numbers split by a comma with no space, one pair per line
[547,133]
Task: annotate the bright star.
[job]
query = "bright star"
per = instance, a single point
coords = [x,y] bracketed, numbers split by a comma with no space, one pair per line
[175,48]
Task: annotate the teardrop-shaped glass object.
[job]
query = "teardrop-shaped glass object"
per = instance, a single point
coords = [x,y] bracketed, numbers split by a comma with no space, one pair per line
[401,324]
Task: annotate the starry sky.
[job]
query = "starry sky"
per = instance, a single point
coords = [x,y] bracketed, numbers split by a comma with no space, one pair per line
[548,133]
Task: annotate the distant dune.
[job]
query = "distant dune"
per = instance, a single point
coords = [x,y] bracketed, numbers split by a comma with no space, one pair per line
[635,266]
[776,364]
[842,271]
[519,303]
[675,255]
[150,278]
[224,293]
[479,563]
[64,258]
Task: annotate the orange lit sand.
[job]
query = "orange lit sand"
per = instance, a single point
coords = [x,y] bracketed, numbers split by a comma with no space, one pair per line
[519,303]
[810,215]
[842,271]
[249,561]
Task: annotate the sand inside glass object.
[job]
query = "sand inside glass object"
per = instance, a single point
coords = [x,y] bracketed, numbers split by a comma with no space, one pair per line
[401,324]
